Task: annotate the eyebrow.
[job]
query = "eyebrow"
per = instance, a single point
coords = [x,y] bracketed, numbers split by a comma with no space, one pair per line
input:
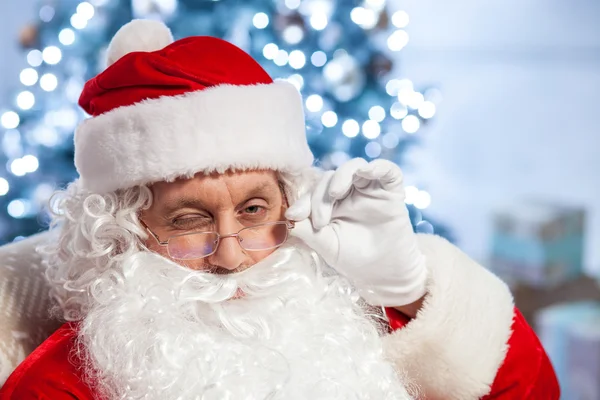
[182,202]
[265,188]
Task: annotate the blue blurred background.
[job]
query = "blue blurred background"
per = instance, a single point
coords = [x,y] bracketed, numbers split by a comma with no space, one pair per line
[491,108]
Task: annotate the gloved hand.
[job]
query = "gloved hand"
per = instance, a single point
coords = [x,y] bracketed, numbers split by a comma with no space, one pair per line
[356,219]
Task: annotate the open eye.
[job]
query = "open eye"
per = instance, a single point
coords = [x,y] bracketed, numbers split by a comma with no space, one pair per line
[254,209]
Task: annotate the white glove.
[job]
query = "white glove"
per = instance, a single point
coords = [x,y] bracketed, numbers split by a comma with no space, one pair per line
[359,224]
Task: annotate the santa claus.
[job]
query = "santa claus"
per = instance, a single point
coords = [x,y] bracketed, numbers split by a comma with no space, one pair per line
[200,255]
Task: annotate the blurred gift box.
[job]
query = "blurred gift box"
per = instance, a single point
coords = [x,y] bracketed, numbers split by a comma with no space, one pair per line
[583,359]
[537,243]
[570,333]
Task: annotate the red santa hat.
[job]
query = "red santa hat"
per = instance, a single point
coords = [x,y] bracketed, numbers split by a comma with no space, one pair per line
[163,110]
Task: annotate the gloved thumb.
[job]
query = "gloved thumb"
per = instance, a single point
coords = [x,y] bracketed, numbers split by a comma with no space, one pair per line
[300,210]
[324,241]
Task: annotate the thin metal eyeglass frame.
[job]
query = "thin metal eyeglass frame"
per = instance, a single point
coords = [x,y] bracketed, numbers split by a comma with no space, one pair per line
[289,225]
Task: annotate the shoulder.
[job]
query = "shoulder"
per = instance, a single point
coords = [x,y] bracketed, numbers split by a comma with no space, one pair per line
[52,371]
[468,340]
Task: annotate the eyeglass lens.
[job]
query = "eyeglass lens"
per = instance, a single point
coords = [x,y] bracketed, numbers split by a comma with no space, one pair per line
[256,238]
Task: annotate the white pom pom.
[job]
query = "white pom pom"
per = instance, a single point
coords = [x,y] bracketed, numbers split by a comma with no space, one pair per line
[138,35]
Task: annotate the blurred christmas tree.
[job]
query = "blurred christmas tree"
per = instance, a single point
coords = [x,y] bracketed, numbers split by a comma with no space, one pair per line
[338,53]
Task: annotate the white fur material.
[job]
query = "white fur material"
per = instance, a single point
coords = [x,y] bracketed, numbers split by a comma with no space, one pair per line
[138,35]
[213,130]
[454,347]
[160,331]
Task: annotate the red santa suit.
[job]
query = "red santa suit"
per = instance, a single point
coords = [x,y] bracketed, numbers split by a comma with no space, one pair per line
[155,110]
[467,342]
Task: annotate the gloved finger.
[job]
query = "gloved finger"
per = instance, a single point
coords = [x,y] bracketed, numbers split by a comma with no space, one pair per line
[300,210]
[321,202]
[386,172]
[344,178]
[361,183]
[380,169]
[323,241]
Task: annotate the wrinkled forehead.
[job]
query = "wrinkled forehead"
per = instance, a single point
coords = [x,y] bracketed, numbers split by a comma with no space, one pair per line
[219,187]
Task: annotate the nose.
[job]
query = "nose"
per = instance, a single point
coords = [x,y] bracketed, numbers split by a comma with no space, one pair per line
[229,254]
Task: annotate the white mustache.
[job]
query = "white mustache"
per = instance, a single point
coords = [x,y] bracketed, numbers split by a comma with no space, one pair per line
[264,278]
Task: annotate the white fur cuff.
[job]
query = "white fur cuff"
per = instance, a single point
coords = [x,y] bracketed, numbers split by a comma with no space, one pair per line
[213,130]
[454,347]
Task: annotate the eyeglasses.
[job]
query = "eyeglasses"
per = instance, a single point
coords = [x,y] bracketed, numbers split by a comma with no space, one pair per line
[195,245]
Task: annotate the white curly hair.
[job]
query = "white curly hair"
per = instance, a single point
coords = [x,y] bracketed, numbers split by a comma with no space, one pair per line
[98,231]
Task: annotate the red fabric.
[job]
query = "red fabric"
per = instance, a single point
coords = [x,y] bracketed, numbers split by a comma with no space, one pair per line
[526,372]
[187,65]
[51,373]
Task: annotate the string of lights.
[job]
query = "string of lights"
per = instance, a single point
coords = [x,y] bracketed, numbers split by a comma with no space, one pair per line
[340,54]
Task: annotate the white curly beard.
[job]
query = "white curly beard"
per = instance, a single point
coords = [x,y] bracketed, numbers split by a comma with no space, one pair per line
[160,331]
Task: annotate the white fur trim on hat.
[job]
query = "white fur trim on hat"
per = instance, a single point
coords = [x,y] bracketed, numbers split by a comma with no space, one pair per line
[454,347]
[216,129]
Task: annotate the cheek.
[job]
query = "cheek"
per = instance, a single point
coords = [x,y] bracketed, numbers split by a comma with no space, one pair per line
[151,244]
[258,256]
